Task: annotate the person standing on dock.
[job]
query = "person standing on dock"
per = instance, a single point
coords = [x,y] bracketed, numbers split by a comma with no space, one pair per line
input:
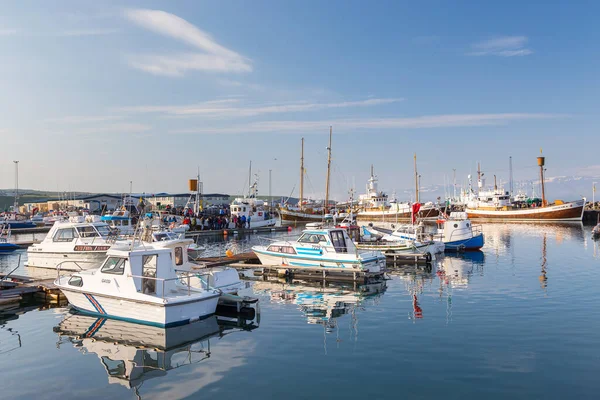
[243,221]
[249,218]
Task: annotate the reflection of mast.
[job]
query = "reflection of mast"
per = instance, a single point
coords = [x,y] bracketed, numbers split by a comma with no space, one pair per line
[543,278]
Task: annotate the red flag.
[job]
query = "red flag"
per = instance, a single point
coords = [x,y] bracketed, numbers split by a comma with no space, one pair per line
[415,210]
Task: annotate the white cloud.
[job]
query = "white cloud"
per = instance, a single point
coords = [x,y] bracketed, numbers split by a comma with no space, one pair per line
[116,128]
[8,32]
[214,57]
[80,119]
[432,121]
[232,108]
[503,46]
[89,32]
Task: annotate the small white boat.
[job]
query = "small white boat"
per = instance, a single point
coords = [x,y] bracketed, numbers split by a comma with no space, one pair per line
[224,279]
[404,239]
[141,286]
[458,233]
[120,221]
[326,248]
[77,243]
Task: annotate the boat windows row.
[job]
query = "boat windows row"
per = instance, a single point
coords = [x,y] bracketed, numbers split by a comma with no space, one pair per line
[69,234]
[281,249]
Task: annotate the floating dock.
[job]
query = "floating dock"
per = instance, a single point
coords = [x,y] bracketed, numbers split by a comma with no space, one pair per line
[42,289]
[228,232]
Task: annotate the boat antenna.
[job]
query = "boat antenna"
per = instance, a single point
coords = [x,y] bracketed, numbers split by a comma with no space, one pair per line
[511,183]
[16,205]
[328,170]
[416,181]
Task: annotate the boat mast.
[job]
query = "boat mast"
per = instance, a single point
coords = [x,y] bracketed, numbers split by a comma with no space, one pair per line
[511,177]
[328,170]
[541,162]
[250,179]
[16,205]
[416,181]
[301,174]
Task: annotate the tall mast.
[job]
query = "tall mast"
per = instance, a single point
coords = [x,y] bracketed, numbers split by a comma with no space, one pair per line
[416,181]
[301,174]
[197,205]
[250,179]
[541,162]
[479,183]
[510,185]
[16,205]
[328,170]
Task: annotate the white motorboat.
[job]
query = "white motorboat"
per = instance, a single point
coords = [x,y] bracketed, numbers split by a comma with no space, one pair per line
[326,247]
[403,239]
[252,209]
[224,279]
[140,286]
[120,221]
[458,233]
[77,243]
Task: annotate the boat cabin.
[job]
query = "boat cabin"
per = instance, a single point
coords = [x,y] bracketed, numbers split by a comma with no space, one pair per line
[149,272]
[331,240]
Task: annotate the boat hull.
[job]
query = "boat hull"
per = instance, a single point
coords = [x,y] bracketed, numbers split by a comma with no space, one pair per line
[72,261]
[572,211]
[20,224]
[290,216]
[371,264]
[392,217]
[8,247]
[258,223]
[474,243]
[163,315]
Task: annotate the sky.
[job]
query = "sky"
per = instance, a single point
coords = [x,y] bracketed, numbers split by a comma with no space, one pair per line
[98,94]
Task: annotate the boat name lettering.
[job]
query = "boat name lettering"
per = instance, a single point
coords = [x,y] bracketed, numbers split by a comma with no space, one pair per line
[91,248]
[105,280]
[316,247]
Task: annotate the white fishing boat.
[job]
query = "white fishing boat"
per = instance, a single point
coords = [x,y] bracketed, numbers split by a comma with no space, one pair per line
[252,209]
[399,241]
[329,248]
[224,279]
[77,243]
[458,233]
[141,286]
[120,221]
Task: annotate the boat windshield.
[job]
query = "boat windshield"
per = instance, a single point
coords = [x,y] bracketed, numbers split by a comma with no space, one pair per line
[312,238]
[103,230]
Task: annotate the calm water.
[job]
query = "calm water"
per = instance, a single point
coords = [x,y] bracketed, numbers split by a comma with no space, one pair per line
[519,320]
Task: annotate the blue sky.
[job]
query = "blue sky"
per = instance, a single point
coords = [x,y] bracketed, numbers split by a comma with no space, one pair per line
[97,94]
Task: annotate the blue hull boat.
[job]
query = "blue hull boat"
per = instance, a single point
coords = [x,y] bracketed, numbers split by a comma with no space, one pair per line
[474,243]
[8,247]
[20,224]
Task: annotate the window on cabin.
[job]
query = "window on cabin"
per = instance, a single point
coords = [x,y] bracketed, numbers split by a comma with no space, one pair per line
[339,243]
[149,274]
[76,281]
[87,231]
[113,265]
[178,255]
[65,235]
[312,238]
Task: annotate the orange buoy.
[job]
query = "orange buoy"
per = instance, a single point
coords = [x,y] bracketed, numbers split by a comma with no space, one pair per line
[224,232]
[229,253]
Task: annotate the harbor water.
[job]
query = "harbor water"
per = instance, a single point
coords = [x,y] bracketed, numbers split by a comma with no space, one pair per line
[518,320]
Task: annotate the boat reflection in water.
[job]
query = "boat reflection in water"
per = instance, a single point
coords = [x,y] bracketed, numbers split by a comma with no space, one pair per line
[320,304]
[131,353]
[457,269]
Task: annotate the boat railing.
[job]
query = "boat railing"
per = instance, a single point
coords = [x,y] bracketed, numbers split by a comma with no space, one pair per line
[60,264]
[183,277]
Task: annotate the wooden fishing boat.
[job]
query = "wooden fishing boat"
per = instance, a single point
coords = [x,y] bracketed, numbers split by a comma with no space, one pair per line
[496,205]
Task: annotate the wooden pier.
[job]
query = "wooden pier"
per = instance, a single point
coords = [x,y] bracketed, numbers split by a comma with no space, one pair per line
[40,289]
[233,232]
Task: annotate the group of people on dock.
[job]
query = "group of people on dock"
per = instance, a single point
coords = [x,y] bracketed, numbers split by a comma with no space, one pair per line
[209,222]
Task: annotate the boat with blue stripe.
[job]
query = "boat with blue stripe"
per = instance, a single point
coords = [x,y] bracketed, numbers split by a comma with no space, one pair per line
[329,248]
